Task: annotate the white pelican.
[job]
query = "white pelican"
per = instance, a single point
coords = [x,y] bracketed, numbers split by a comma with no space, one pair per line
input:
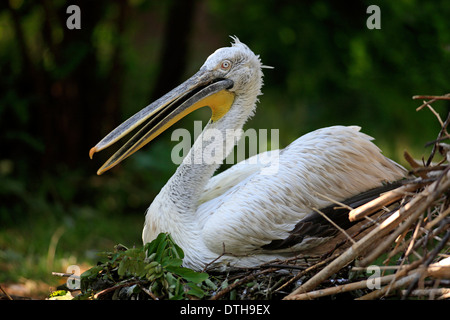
[245,215]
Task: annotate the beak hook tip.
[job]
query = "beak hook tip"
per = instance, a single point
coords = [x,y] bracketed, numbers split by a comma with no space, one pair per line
[92,151]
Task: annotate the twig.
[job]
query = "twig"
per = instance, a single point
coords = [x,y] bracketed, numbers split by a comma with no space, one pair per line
[127,284]
[381,247]
[435,270]
[340,204]
[435,113]
[433,98]
[397,267]
[6,293]
[438,219]
[342,288]
[248,278]
[150,294]
[422,170]
[420,242]
[445,137]
[414,237]
[282,266]
[441,134]
[429,292]
[334,224]
[213,261]
[65,275]
[382,201]
[380,292]
[302,273]
[433,254]
[398,276]
[410,160]
[413,208]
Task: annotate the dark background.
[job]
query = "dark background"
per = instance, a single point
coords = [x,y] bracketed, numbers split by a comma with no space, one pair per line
[62,90]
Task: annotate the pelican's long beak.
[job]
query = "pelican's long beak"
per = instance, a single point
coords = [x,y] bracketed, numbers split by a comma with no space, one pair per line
[200,90]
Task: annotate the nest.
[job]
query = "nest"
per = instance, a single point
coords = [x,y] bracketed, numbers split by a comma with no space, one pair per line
[399,248]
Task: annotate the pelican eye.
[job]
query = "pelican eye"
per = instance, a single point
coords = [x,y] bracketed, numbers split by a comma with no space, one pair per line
[226,65]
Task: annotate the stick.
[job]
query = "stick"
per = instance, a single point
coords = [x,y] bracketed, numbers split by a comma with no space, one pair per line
[65,275]
[334,224]
[6,293]
[421,97]
[302,273]
[441,134]
[442,266]
[221,293]
[433,254]
[150,294]
[342,288]
[420,242]
[340,204]
[397,284]
[388,241]
[415,236]
[433,99]
[429,292]
[417,206]
[114,288]
[439,218]
[382,201]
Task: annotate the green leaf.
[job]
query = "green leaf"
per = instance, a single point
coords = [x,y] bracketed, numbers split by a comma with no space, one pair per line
[188,274]
[159,262]
[92,272]
[161,247]
[171,262]
[135,253]
[122,267]
[210,284]
[195,290]
[177,251]
[152,246]
[115,256]
[140,270]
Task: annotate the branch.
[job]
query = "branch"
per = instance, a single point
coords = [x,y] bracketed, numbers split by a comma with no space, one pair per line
[382,201]
[411,210]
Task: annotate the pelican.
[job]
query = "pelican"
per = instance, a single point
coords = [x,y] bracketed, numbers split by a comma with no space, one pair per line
[251,213]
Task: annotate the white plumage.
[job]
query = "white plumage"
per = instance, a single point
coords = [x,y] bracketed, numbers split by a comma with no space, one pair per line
[238,213]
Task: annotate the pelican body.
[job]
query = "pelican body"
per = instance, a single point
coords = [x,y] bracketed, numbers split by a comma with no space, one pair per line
[244,217]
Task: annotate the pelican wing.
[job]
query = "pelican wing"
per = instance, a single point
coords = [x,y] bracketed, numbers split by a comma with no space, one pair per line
[272,211]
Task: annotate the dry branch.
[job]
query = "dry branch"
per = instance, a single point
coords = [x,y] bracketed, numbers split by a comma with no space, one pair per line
[340,289]
[382,201]
[435,270]
[438,293]
[408,212]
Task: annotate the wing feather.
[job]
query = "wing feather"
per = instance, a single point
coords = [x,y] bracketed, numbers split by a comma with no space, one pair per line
[268,202]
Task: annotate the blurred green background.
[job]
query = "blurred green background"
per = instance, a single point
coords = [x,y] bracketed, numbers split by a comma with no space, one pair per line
[62,90]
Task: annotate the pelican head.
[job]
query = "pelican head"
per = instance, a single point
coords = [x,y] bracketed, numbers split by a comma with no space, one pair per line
[226,74]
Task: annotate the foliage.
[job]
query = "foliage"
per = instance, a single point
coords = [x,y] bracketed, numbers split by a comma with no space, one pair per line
[154,270]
